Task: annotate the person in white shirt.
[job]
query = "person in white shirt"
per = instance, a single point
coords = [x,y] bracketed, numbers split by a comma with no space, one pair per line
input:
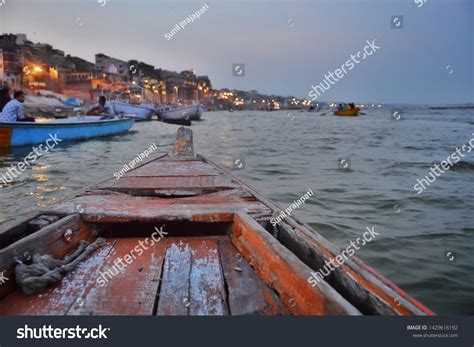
[14,110]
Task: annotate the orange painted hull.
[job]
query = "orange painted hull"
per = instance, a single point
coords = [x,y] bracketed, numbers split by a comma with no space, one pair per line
[348,113]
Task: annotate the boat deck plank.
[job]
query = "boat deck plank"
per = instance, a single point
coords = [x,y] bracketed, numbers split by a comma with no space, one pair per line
[200,278]
[145,207]
[207,288]
[131,291]
[174,292]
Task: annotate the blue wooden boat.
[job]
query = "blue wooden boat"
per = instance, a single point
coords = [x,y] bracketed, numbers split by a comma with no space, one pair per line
[27,133]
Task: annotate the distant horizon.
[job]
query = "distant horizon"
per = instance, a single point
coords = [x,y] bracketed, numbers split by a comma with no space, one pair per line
[286,47]
[289,95]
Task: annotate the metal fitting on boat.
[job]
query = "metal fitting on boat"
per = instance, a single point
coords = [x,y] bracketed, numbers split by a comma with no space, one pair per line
[68,235]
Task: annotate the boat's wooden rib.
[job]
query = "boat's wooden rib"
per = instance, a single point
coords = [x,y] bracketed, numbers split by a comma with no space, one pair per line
[220,255]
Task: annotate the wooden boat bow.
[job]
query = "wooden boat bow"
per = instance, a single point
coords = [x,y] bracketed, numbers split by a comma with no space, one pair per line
[219,256]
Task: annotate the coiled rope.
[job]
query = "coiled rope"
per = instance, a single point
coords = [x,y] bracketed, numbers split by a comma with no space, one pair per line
[45,270]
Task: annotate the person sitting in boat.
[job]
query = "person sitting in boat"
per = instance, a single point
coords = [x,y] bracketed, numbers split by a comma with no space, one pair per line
[101,108]
[14,110]
[4,97]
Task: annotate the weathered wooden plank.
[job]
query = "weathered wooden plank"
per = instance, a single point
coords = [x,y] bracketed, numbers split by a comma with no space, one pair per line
[174,292]
[174,168]
[15,228]
[127,283]
[41,221]
[209,182]
[207,288]
[247,294]
[285,273]
[57,299]
[119,208]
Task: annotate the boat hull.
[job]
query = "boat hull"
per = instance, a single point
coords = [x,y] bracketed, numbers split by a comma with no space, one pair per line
[193,112]
[25,133]
[198,114]
[139,112]
[211,249]
[348,113]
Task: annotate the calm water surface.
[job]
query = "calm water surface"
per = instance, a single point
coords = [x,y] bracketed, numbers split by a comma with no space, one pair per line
[283,155]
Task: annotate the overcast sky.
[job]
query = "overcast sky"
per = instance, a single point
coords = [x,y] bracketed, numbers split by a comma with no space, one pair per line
[286,46]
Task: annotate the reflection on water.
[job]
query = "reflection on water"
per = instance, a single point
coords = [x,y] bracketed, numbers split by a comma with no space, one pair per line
[40,177]
[284,156]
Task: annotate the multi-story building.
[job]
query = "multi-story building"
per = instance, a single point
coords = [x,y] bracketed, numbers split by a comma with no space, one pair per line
[111,66]
[76,84]
[10,67]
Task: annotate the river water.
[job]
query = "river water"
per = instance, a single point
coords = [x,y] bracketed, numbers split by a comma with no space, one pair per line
[361,170]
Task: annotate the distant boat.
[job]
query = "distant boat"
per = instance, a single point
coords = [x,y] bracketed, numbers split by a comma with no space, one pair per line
[184,113]
[314,109]
[351,112]
[28,133]
[138,111]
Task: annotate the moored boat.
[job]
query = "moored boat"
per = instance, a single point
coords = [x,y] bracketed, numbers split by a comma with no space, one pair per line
[193,240]
[28,133]
[197,115]
[351,112]
[138,111]
[192,112]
